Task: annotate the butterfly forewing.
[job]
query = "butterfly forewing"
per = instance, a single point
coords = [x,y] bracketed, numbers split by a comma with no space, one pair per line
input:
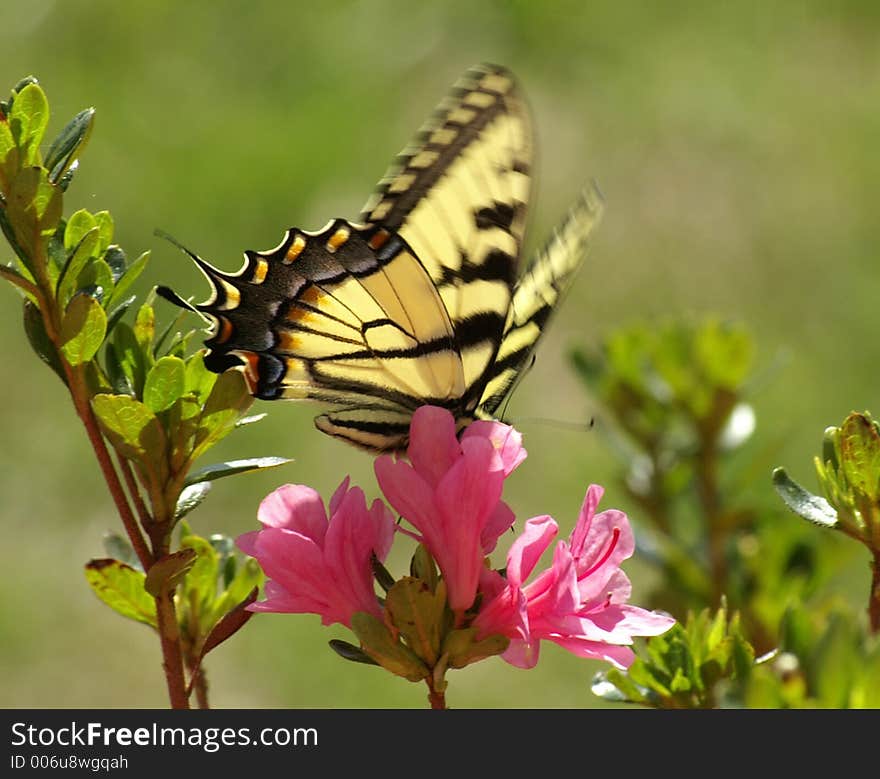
[458,196]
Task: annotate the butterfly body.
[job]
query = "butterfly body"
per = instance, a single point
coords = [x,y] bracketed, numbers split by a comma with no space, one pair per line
[421,301]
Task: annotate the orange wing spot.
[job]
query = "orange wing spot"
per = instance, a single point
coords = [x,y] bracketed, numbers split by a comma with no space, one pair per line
[288,342]
[297,314]
[299,243]
[260,271]
[378,240]
[224,330]
[251,368]
[337,239]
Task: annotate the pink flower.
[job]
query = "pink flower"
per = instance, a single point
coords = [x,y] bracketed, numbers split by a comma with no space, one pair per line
[580,602]
[450,491]
[316,565]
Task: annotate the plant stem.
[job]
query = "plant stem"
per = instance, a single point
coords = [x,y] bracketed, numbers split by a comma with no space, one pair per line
[710,500]
[437,698]
[172,658]
[874,601]
[200,685]
[84,410]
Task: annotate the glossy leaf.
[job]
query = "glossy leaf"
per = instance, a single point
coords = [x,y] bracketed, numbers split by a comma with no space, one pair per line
[69,144]
[190,497]
[28,120]
[104,222]
[77,258]
[164,384]
[96,275]
[130,357]
[116,260]
[350,652]
[82,329]
[114,315]
[234,467]
[119,548]
[802,502]
[79,225]
[35,329]
[229,397]
[134,431]
[121,587]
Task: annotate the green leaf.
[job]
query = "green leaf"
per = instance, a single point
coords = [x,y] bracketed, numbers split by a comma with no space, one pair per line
[377,641]
[860,454]
[199,380]
[350,652]
[165,574]
[422,566]
[617,687]
[233,467]
[803,503]
[462,649]
[229,624]
[35,329]
[104,221]
[96,276]
[28,120]
[130,357]
[83,328]
[164,384]
[134,431]
[247,577]
[200,585]
[77,258]
[119,382]
[118,312]
[116,261]
[190,497]
[418,613]
[69,144]
[228,399]
[121,587]
[7,142]
[119,548]
[145,329]
[79,225]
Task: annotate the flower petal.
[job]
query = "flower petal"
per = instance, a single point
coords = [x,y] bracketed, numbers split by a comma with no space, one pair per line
[528,548]
[433,446]
[296,507]
[506,440]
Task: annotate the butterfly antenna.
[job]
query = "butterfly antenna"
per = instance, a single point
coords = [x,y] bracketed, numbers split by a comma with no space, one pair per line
[520,376]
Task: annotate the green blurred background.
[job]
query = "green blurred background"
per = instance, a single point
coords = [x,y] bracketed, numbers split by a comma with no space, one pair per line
[736,145]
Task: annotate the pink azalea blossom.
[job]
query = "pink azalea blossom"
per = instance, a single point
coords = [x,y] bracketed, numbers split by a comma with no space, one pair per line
[315,564]
[450,491]
[580,602]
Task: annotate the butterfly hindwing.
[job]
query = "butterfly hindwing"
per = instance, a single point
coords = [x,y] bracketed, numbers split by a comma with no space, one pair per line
[537,295]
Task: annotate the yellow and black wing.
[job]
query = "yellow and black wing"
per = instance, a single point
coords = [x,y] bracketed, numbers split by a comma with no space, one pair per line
[417,303]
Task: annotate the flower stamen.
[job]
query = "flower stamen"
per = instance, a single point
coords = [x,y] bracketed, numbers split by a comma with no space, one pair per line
[615,536]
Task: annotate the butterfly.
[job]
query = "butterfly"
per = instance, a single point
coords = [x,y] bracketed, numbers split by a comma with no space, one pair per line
[417,302]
